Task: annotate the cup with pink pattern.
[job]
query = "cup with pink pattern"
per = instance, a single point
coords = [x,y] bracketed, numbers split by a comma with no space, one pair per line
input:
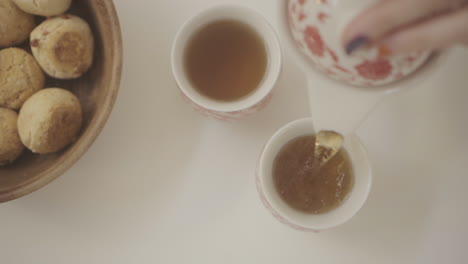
[316,26]
[228,110]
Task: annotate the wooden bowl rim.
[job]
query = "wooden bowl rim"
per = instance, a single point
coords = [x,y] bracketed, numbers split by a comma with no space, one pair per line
[69,158]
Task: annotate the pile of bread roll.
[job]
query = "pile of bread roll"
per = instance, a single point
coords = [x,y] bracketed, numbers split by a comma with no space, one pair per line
[44,120]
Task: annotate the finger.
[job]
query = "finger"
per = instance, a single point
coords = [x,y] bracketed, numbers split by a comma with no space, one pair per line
[434,34]
[389,15]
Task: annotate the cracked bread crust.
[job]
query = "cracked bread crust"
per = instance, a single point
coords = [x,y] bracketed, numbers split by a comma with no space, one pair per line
[63,46]
[50,120]
[20,77]
[10,143]
[15,25]
[44,7]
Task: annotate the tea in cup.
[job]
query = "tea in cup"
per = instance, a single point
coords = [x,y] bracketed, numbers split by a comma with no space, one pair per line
[305,197]
[226,61]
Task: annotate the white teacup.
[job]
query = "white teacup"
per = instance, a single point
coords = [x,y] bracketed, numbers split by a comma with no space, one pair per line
[312,222]
[245,106]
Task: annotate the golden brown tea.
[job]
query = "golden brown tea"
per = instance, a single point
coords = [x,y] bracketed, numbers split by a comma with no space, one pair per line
[306,187]
[226,60]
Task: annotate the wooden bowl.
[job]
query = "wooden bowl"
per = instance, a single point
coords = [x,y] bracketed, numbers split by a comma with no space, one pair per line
[97,91]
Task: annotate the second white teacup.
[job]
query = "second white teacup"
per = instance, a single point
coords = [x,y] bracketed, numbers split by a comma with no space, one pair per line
[304,221]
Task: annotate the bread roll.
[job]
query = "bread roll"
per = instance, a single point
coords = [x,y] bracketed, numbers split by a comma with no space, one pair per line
[63,46]
[44,7]
[15,25]
[50,120]
[20,77]
[10,143]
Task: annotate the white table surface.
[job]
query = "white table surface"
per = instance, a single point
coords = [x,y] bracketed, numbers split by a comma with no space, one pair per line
[165,185]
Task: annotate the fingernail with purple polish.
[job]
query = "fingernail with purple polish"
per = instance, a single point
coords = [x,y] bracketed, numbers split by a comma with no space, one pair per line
[356,43]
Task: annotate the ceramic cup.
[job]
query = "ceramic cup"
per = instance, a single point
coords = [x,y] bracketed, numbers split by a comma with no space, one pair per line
[312,222]
[316,27]
[245,106]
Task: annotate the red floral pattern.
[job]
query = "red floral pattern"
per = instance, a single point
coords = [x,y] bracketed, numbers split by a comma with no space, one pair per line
[314,41]
[302,16]
[410,58]
[294,8]
[333,55]
[341,68]
[322,17]
[374,70]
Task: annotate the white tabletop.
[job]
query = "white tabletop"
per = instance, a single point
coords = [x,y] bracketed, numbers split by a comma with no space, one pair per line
[165,185]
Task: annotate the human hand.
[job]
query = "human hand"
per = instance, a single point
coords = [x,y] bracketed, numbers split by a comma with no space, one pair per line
[402,26]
